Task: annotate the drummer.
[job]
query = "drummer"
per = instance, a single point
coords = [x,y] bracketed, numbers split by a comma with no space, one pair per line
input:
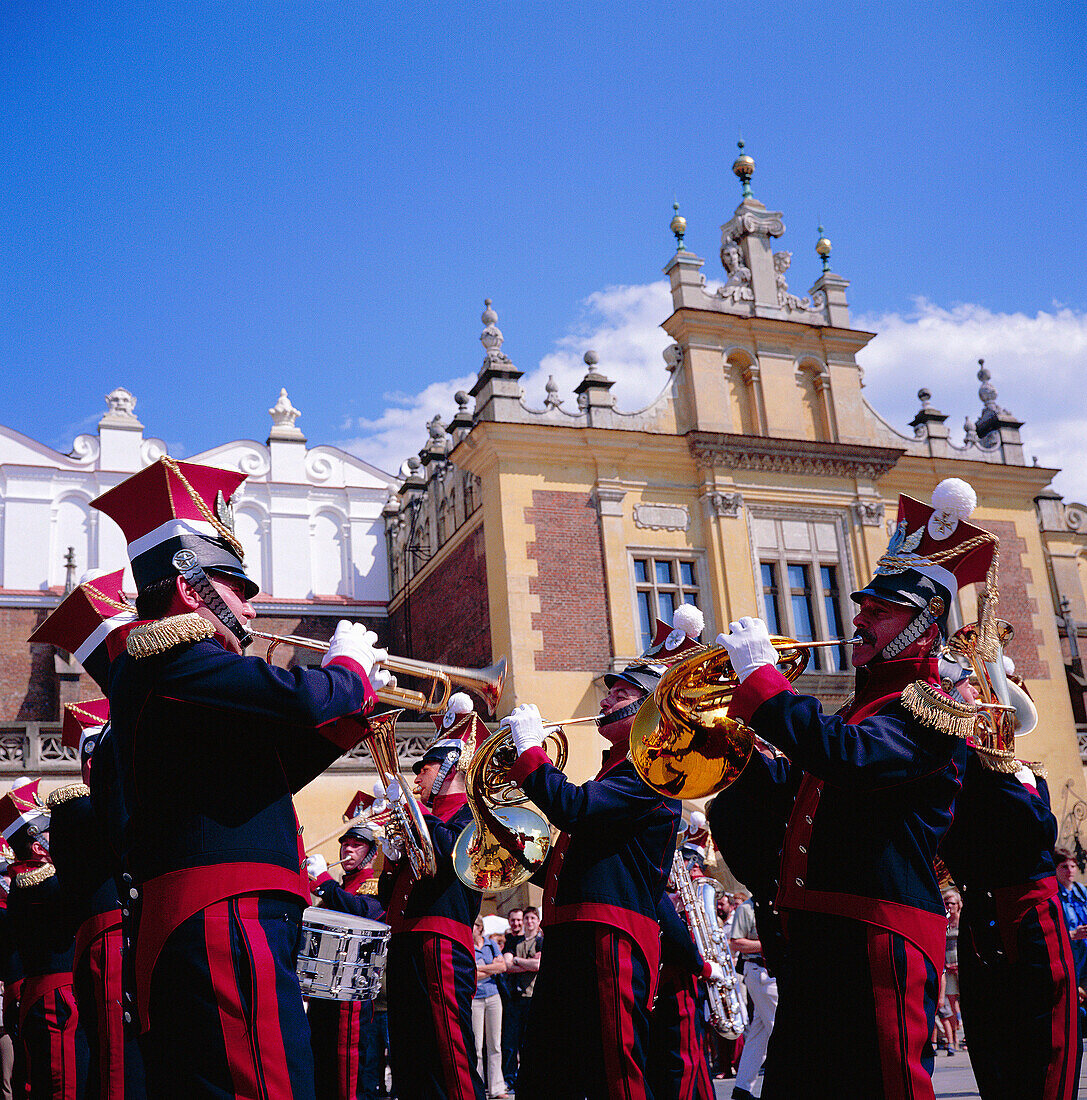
[348,1043]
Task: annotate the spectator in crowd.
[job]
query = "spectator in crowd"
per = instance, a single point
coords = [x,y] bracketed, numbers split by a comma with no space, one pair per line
[522,963]
[950,984]
[762,988]
[1073,897]
[507,988]
[487,1011]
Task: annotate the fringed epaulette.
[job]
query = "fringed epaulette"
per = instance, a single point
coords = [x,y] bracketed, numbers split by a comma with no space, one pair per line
[1036,766]
[151,639]
[997,760]
[368,887]
[36,877]
[935,710]
[67,794]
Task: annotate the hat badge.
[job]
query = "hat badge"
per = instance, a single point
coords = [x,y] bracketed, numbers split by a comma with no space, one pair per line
[224,511]
[674,639]
[184,560]
[942,525]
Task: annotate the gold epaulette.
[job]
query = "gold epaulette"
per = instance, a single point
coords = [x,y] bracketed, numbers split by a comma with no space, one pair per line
[935,710]
[997,760]
[67,794]
[1036,766]
[368,887]
[150,639]
[35,877]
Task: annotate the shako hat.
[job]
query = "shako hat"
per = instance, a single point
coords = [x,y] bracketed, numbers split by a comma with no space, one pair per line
[176,506]
[932,554]
[21,808]
[355,808]
[83,725]
[670,645]
[460,731]
[85,619]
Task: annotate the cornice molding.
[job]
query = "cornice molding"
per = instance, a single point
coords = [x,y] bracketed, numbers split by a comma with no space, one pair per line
[791,456]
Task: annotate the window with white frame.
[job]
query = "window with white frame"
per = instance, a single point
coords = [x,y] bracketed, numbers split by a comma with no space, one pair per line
[662,581]
[801,580]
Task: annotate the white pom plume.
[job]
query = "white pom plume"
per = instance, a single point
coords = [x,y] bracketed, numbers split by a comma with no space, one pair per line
[689,619]
[379,790]
[460,703]
[1009,665]
[954,496]
[698,820]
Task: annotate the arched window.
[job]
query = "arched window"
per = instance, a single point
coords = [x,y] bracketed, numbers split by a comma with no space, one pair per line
[249,527]
[327,554]
[71,527]
[813,381]
[744,393]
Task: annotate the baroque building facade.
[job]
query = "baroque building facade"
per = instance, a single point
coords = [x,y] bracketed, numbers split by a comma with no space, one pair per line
[759,481]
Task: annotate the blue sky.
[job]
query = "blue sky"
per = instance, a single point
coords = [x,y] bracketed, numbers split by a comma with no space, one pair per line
[207,202]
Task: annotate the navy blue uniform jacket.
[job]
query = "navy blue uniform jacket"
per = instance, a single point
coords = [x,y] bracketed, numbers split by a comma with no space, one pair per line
[347,898]
[874,794]
[209,747]
[441,904]
[612,859]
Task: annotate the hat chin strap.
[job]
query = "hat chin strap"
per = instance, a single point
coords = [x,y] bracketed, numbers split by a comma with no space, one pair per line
[913,630]
[448,764]
[192,572]
[622,712]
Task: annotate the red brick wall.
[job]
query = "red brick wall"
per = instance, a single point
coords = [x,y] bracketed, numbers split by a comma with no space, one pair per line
[1015,604]
[573,616]
[448,615]
[28,684]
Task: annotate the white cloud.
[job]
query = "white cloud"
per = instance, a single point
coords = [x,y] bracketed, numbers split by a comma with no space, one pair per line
[1038,364]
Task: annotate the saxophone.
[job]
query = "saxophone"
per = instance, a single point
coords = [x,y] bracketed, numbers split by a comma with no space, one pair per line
[727,999]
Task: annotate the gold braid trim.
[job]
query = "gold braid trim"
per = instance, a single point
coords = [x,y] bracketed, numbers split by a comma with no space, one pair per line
[1036,766]
[107,600]
[934,709]
[151,639]
[67,794]
[75,708]
[36,877]
[368,887]
[225,533]
[997,760]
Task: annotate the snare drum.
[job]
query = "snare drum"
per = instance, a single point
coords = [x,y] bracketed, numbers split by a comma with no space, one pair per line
[342,957]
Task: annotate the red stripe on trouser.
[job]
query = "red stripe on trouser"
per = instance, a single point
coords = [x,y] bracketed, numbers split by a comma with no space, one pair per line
[266,1034]
[104,964]
[445,1014]
[228,1000]
[61,1071]
[689,1046]
[615,973]
[1059,1080]
[347,1048]
[898,989]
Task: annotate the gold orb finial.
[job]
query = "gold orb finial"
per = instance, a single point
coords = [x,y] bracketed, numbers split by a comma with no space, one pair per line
[678,226]
[744,167]
[823,249]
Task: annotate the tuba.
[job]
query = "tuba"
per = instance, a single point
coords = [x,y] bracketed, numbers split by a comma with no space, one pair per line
[683,742]
[507,842]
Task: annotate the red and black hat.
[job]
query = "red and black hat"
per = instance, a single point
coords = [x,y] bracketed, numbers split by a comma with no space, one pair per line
[85,619]
[178,506]
[933,553]
[356,808]
[83,725]
[22,808]
[670,645]
[460,731]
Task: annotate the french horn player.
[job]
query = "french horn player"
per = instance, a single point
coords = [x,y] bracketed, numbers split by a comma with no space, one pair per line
[858,804]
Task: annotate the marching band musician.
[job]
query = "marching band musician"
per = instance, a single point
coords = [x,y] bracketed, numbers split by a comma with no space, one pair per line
[677,1068]
[42,925]
[344,1033]
[431,971]
[1016,976]
[604,879]
[210,746]
[81,625]
[872,789]
[12,1073]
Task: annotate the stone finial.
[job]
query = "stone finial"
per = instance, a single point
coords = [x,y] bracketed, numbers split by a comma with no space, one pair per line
[823,249]
[970,433]
[120,410]
[591,359]
[462,400]
[744,168]
[436,429]
[284,415]
[491,337]
[925,397]
[987,391]
[552,400]
[678,226]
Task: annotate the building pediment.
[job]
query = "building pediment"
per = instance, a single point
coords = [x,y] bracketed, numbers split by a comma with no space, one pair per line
[791,456]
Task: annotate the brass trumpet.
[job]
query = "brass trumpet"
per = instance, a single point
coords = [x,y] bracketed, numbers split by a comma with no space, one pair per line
[507,842]
[485,682]
[683,742]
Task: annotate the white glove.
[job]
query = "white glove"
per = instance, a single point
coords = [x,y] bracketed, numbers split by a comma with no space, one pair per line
[354,641]
[526,726]
[316,866]
[392,792]
[392,850]
[717,974]
[748,645]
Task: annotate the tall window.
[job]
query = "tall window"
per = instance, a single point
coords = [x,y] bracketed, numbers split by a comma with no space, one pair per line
[661,583]
[800,566]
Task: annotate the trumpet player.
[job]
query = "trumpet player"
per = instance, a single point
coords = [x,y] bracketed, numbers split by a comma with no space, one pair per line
[431,972]
[210,747]
[868,795]
[603,881]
